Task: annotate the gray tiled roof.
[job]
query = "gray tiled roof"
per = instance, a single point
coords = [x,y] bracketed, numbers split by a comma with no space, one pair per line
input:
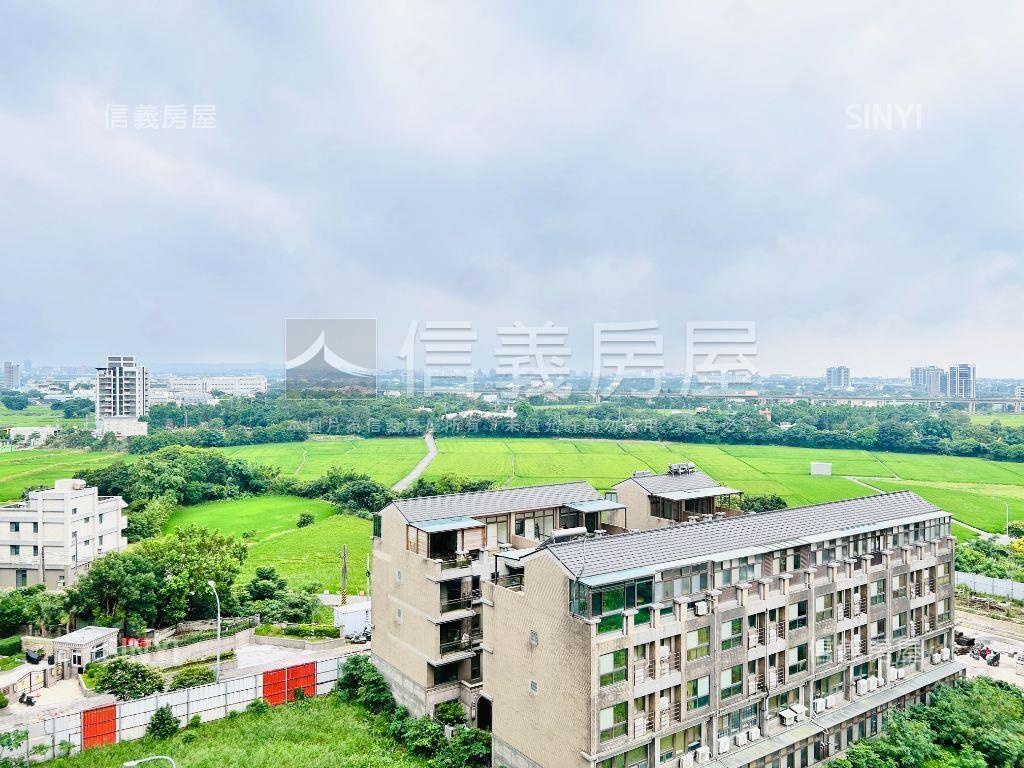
[497,502]
[665,483]
[622,552]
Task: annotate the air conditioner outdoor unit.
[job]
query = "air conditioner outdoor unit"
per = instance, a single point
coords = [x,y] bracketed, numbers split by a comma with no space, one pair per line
[787,716]
[664,702]
[752,640]
[686,761]
[946,654]
[881,682]
[872,684]
[754,733]
[892,674]
[740,738]
[900,674]
[663,652]
[703,754]
[640,675]
[862,687]
[936,658]
[818,705]
[701,608]
[640,726]
[830,701]
[724,742]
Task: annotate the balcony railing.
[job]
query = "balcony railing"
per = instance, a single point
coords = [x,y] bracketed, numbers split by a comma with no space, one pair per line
[456,646]
[669,664]
[669,716]
[460,603]
[451,563]
[512,581]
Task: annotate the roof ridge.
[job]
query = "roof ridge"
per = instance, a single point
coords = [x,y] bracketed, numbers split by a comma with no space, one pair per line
[488,490]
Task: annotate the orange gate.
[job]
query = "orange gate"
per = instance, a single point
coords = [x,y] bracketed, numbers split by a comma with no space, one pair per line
[274,686]
[302,677]
[99,726]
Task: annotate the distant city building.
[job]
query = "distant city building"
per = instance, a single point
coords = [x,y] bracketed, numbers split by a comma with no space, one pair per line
[122,397]
[931,380]
[1018,393]
[205,386]
[12,375]
[57,534]
[26,368]
[961,381]
[837,377]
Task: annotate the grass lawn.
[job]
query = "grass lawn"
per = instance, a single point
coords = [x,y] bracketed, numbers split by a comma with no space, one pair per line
[266,515]
[317,733]
[386,459]
[21,469]
[963,533]
[1006,419]
[313,554]
[35,416]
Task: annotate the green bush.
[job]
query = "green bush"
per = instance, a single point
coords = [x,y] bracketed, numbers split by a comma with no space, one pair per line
[467,748]
[450,713]
[423,736]
[126,679]
[258,707]
[3,700]
[306,518]
[193,676]
[163,724]
[194,722]
[304,631]
[10,646]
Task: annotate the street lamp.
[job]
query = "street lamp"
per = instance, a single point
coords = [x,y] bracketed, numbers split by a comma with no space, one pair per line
[141,760]
[217,598]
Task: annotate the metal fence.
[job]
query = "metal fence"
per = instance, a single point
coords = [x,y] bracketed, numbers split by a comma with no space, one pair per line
[990,586]
[124,721]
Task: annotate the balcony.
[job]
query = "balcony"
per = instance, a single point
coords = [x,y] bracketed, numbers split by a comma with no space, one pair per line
[450,647]
[670,715]
[669,664]
[463,602]
[512,581]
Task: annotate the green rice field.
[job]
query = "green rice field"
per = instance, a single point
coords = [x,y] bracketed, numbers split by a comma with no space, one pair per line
[976,492]
[34,416]
[386,459]
[255,519]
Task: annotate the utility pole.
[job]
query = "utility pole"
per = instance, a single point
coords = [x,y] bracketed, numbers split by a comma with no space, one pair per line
[344,574]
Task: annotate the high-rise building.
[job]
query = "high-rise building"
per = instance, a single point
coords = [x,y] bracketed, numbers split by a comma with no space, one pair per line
[26,367]
[960,385]
[12,375]
[931,380]
[1018,392]
[837,377]
[726,640]
[122,397]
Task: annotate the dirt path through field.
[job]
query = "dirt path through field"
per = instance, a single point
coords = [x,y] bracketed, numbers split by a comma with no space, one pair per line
[420,468]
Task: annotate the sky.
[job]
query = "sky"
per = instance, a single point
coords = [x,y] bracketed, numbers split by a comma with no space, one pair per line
[848,177]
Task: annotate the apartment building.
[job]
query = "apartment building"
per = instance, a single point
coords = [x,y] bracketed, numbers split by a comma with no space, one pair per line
[961,381]
[931,380]
[837,377]
[430,556]
[12,376]
[55,535]
[122,397]
[682,494]
[763,640]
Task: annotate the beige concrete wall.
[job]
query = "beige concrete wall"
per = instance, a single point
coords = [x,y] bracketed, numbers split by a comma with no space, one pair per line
[550,727]
[638,506]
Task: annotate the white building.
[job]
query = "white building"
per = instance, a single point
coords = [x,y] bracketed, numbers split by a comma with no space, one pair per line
[204,386]
[837,377]
[57,534]
[1018,393]
[961,381]
[122,397]
[12,376]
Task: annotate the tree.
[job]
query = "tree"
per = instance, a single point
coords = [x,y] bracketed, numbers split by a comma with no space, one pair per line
[306,518]
[14,402]
[11,742]
[762,503]
[128,680]
[423,736]
[450,713]
[362,494]
[163,724]
[148,518]
[122,589]
[468,748]
[190,678]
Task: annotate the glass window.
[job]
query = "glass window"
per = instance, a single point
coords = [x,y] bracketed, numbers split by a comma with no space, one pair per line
[877,592]
[823,650]
[824,607]
[612,721]
[736,722]
[778,703]
[899,586]
[698,693]
[698,643]
[798,615]
[612,667]
[732,634]
[942,574]
[732,682]
[796,658]
[635,758]
[679,743]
